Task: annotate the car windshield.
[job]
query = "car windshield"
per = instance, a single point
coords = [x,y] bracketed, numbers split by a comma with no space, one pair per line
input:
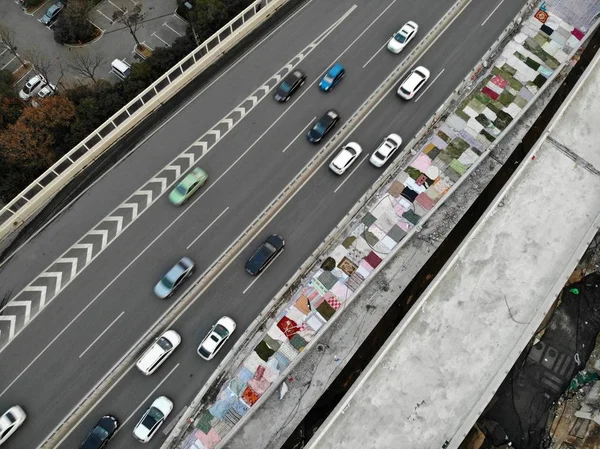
[100,432]
[285,87]
[400,38]
[164,344]
[181,189]
[168,283]
[11,417]
[154,415]
[319,127]
[221,331]
[328,78]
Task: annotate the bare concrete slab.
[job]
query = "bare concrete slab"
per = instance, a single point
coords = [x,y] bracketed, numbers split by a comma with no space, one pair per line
[440,368]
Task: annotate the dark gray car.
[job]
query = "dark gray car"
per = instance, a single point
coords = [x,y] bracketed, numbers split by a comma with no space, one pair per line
[52,13]
[264,255]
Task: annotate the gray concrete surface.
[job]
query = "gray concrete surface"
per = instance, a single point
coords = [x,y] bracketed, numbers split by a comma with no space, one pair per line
[276,419]
[442,365]
[269,168]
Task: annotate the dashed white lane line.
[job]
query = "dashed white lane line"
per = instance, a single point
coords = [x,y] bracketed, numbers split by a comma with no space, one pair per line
[429,85]
[299,134]
[103,332]
[492,13]
[351,173]
[376,53]
[208,227]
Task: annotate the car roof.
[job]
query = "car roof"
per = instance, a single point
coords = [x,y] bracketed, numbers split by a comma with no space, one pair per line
[407,28]
[335,69]
[212,341]
[343,157]
[148,359]
[413,79]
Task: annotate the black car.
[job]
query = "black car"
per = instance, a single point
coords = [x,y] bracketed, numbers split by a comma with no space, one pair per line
[101,433]
[323,126]
[264,255]
[289,85]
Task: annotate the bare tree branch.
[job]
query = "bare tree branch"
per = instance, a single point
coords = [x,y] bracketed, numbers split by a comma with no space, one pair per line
[42,63]
[131,19]
[85,62]
[7,38]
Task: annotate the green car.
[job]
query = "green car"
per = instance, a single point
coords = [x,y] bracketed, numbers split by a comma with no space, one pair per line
[186,188]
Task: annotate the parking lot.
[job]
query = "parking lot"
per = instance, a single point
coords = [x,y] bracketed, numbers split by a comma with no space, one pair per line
[160,28]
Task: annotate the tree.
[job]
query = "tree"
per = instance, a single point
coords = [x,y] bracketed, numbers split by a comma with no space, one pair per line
[210,16]
[74,26]
[131,19]
[10,105]
[85,62]
[7,37]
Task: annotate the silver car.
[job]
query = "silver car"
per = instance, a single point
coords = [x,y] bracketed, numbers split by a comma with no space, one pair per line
[174,278]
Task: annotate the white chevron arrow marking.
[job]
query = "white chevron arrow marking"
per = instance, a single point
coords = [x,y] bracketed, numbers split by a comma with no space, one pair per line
[41,289]
[148,194]
[88,247]
[253,99]
[215,132]
[54,274]
[228,122]
[203,145]
[102,233]
[73,261]
[117,219]
[134,209]
[190,157]
[288,67]
[11,329]
[27,306]
[241,110]
[177,169]
[162,182]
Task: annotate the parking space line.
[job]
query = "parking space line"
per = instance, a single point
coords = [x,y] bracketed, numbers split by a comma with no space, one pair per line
[303,130]
[351,173]
[174,31]
[105,16]
[430,84]
[103,332]
[208,227]
[146,399]
[2,54]
[5,65]
[122,10]
[181,18]
[160,38]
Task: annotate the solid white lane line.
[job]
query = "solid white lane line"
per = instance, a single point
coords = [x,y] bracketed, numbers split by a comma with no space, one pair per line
[103,332]
[376,53]
[492,13]
[429,85]
[208,227]
[299,134]
[157,129]
[376,19]
[351,173]
[146,398]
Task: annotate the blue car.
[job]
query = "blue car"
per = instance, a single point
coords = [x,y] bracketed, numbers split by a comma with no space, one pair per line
[333,76]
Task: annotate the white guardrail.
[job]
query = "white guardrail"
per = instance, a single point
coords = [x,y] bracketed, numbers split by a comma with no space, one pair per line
[31,200]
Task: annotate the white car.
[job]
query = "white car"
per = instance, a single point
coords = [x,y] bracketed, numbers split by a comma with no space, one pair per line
[413,82]
[30,87]
[216,338]
[402,37]
[386,150]
[158,352]
[154,417]
[345,158]
[47,91]
[10,422]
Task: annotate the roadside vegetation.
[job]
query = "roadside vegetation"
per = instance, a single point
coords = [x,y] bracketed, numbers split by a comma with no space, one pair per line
[33,138]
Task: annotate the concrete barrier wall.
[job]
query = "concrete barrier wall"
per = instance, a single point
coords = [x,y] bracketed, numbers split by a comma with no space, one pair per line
[31,200]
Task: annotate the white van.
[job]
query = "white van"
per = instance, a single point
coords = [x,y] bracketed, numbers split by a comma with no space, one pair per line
[121,69]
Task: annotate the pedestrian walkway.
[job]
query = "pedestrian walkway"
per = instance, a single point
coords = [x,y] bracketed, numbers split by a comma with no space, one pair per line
[443,160]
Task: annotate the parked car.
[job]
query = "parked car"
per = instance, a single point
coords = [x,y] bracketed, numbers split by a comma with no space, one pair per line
[265,254]
[345,158]
[10,421]
[101,434]
[385,150]
[174,278]
[413,82]
[402,37]
[216,338]
[31,87]
[47,91]
[188,186]
[325,124]
[158,352]
[52,13]
[154,417]
[333,76]
[290,84]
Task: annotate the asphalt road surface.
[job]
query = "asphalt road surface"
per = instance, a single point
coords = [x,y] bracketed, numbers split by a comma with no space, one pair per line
[63,353]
